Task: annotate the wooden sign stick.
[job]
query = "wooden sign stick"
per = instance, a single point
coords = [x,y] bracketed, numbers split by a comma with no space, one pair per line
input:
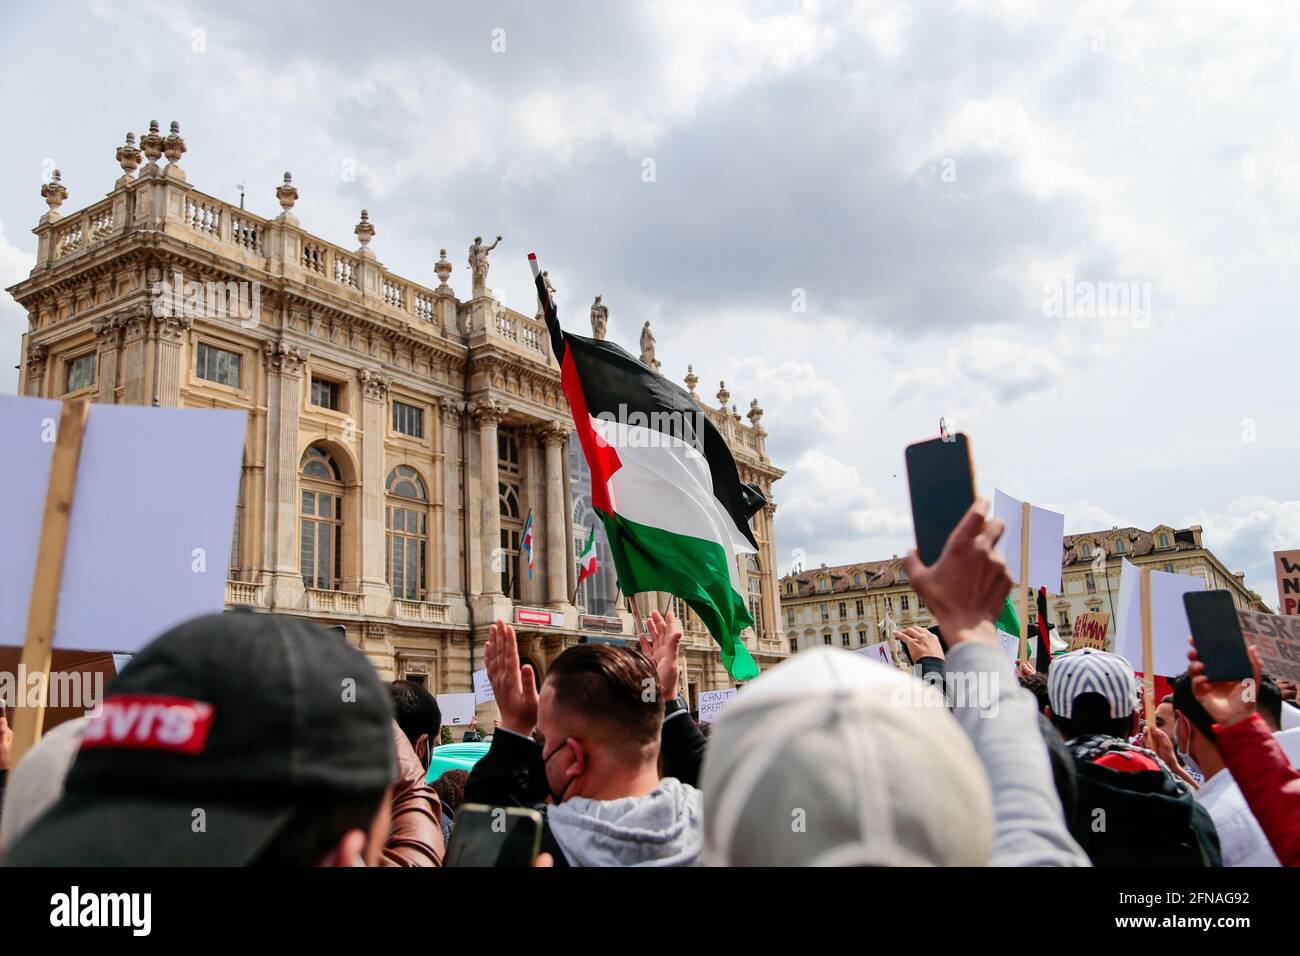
[1148,665]
[43,610]
[1024,578]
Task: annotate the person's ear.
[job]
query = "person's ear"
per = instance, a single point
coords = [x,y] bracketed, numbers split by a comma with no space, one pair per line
[349,851]
[578,765]
[423,752]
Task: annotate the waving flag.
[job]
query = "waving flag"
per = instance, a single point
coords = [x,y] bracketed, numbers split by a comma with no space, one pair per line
[663,482]
[528,541]
[587,560]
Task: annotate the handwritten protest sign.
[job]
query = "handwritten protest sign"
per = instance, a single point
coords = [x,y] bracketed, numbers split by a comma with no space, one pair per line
[483,688]
[713,702]
[1277,638]
[1288,581]
[1090,631]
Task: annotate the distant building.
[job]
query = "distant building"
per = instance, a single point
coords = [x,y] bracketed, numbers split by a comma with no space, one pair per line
[846,605]
[398,435]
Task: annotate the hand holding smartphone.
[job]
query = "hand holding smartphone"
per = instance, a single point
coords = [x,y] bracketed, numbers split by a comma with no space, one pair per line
[494,836]
[1216,632]
[941,480]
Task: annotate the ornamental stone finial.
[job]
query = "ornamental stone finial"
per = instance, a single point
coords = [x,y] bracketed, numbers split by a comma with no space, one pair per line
[128,156]
[287,192]
[54,193]
[365,231]
[724,396]
[442,269]
[152,143]
[755,413]
[691,379]
[173,145]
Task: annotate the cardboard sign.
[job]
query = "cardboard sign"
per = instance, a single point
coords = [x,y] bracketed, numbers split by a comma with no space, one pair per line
[148,542]
[714,702]
[1288,581]
[1046,531]
[1090,631]
[1277,638]
[1169,628]
[457,709]
[483,688]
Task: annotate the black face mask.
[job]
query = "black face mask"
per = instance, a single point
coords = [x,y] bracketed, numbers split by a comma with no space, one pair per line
[556,798]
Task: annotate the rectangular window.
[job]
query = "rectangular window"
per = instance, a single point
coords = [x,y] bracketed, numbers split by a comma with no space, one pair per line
[325,394]
[844,611]
[844,638]
[862,637]
[826,613]
[79,373]
[408,419]
[1063,619]
[217,365]
[1092,583]
[903,603]
[789,617]
[859,607]
[794,645]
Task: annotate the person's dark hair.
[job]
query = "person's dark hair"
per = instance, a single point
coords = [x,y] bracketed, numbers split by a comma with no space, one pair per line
[1185,703]
[1091,716]
[417,711]
[316,827]
[616,686]
[450,788]
[1167,699]
[1036,684]
[1270,701]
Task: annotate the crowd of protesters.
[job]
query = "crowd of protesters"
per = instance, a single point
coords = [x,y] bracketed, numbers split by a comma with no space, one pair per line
[247,739]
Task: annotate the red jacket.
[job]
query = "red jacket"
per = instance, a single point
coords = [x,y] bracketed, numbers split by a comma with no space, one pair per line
[1268,782]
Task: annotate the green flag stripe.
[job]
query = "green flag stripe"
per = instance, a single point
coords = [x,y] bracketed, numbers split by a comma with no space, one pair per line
[695,570]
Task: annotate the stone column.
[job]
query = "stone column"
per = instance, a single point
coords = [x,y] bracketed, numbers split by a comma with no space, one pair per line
[284,388]
[377,595]
[37,359]
[554,435]
[488,414]
[452,542]
[169,359]
[767,563]
[108,334]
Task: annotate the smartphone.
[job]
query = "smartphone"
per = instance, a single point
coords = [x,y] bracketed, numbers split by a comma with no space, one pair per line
[483,835]
[941,480]
[1216,632]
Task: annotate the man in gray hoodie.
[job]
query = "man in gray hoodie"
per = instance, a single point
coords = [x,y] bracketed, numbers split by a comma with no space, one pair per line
[586,751]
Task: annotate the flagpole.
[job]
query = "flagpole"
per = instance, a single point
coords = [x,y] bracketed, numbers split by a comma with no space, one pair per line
[636,613]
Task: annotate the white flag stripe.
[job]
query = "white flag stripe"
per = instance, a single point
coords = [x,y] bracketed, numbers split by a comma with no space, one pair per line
[666,483]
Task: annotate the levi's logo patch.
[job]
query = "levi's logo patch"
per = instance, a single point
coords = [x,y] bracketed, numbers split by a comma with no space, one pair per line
[151,722]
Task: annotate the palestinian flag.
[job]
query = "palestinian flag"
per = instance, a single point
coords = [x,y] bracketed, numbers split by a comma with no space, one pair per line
[587,560]
[1009,620]
[663,482]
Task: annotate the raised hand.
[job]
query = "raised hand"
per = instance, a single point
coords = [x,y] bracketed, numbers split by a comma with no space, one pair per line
[1226,701]
[966,587]
[661,646]
[513,685]
[921,642]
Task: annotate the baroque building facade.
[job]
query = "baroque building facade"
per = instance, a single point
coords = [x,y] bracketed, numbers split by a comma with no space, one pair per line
[848,605]
[399,436]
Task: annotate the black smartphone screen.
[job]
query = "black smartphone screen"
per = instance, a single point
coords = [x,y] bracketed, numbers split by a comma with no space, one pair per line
[494,836]
[1216,631]
[942,484]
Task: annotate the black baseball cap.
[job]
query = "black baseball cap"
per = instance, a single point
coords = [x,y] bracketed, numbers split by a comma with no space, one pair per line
[210,739]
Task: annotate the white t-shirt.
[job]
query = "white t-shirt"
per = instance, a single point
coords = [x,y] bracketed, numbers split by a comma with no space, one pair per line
[1240,837]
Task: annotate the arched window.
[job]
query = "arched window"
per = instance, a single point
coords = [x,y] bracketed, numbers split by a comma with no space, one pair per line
[1164,540]
[1120,546]
[406,523]
[596,593]
[509,493]
[1085,550]
[320,543]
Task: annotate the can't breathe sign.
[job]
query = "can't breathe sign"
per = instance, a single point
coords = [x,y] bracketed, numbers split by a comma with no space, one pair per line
[1288,581]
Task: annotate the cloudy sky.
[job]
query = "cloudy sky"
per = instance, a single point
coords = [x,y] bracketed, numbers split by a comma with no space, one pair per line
[859,213]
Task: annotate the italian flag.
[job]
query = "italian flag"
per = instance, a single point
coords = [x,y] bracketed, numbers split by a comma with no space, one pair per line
[587,560]
[663,482]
